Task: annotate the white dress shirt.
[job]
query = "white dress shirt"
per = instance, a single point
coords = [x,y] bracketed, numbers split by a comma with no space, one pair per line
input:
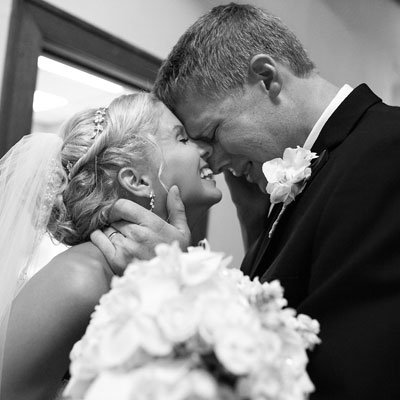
[332,106]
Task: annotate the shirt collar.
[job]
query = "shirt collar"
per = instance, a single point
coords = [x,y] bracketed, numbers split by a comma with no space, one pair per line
[333,105]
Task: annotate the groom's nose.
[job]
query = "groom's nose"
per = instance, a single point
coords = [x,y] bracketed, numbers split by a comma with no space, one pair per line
[218,160]
[205,149]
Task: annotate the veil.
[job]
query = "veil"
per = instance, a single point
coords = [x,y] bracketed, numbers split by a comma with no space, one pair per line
[30,176]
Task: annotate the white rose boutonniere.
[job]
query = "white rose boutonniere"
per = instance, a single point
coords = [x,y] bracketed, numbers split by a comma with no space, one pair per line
[287,176]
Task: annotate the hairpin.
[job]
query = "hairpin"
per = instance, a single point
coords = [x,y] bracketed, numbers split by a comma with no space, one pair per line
[98,121]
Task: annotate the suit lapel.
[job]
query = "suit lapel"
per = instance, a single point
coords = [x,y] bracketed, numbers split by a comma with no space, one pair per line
[316,166]
[256,251]
[345,117]
[336,129]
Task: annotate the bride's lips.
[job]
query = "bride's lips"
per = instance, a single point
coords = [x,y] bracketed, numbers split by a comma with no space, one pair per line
[206,172]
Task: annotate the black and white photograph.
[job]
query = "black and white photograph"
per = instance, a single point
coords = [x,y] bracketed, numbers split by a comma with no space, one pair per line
[199,200]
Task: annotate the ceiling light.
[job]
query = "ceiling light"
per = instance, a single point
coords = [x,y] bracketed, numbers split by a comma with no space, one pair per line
[58,68]
[43,101]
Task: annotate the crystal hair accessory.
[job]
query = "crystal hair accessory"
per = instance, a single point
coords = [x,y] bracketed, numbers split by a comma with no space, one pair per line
[68,168]
[98,121]
[152,200]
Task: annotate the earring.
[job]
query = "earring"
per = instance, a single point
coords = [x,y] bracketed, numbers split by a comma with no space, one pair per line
[152,200]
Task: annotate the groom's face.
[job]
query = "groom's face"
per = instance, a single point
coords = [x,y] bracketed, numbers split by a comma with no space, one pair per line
[241,128]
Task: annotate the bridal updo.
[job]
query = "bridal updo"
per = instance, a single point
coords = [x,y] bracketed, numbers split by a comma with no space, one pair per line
[86,196]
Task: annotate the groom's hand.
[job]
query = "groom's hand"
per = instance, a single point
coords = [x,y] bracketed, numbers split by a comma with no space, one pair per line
[251,206]
[135,231]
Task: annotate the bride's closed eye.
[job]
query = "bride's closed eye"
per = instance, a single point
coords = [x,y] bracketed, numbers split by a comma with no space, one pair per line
[184,140]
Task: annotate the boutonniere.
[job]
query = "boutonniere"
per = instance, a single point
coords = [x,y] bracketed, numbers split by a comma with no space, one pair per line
[287,177]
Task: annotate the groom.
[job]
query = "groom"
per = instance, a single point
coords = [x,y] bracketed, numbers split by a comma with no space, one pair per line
[240,80]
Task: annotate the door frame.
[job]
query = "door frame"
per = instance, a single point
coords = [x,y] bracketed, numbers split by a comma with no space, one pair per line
[36,28]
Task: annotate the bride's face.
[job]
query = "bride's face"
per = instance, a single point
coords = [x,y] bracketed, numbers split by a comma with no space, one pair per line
[184,164]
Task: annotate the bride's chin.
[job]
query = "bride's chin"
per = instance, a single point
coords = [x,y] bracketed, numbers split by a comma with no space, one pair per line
[202,204]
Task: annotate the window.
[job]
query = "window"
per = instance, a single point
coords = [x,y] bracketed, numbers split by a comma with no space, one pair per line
[38,30]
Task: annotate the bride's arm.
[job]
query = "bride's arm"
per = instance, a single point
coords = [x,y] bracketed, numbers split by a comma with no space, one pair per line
[48,316]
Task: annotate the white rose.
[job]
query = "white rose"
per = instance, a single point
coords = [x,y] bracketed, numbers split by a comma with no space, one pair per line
[77,387]
[274,170]
[299,157]
[116,305]
[199,266]
[122,344]
[151,382]
[197,384]
[270,346]
[308,329]
[284,173]
[220,314]
[85,360]
[266,384]
[119,344]
[153,293]
[178,319]
[238,349]
[111,385]
[295,362]
[279,192]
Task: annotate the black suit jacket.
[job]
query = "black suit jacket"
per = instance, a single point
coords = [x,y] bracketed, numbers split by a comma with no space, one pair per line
[336,251]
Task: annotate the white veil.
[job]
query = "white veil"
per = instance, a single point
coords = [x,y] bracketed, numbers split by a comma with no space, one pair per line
[30,176]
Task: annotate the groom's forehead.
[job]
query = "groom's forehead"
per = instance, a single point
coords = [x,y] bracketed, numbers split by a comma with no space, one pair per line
[199,117]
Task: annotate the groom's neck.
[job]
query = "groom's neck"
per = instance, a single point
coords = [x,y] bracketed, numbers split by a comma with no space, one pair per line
[320,93]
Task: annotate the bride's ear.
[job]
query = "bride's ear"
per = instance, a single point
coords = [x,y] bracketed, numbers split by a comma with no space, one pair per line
[263,67]
[134,182]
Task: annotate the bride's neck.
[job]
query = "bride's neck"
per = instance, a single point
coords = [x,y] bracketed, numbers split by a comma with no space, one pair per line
[194,215]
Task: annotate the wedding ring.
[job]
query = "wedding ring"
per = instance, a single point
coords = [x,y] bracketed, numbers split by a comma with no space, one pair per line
[111,234]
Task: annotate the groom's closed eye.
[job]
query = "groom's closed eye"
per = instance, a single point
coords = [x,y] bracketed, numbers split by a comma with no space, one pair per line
[210,137]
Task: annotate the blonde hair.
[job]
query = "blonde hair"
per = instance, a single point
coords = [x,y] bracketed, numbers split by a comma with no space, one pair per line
[84,199]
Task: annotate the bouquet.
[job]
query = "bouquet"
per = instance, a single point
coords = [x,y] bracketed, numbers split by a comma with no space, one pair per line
[186,326]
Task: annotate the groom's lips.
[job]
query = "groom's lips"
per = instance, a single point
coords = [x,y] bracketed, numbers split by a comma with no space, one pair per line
[243,171]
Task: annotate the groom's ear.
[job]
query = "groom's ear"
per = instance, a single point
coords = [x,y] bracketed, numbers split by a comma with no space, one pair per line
[134,182]
[264,68]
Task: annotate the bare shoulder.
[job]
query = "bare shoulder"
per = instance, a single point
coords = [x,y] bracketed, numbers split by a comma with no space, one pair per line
[80,273]
[48,316]
[66,290]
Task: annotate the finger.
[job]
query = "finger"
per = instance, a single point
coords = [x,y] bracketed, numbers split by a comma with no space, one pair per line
[135,251]
[101,241]
[109,230]
[129,230]
[127,210]
[176,211]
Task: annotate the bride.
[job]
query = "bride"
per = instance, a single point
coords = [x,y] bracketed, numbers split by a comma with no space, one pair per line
[66,184]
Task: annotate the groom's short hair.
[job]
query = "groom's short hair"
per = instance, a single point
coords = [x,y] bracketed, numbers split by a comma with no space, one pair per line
[212,56]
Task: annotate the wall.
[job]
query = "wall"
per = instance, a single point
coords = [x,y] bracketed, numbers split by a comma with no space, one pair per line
[350,41]
[5,11]
[153,25]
